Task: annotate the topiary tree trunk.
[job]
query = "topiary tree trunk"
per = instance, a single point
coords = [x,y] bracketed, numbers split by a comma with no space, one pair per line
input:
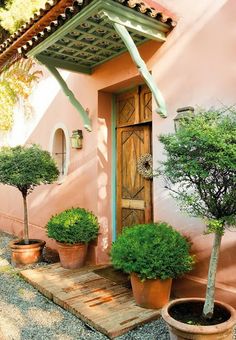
[26,219]
[208,308]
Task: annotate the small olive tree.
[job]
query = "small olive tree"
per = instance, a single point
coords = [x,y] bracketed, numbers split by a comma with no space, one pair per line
[200,170]
[25,168]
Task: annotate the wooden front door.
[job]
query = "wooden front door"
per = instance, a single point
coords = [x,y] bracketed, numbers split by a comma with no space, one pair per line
[134,193]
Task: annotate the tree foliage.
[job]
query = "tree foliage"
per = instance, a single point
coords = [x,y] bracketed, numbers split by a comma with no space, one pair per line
[4,3]
[201,166]
[26,167]
[3,35]
[201,170]
[152,251]
[74,225]
[16,82]
[17,12]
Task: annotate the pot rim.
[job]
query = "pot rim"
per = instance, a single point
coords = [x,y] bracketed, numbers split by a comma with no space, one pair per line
[37,242]
[137,276]
[212,329]
[66,244]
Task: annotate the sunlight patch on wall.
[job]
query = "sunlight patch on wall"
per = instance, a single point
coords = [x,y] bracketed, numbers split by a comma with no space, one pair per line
[103,138]
[104,231]
[40,197]
[102,186]
[41,99]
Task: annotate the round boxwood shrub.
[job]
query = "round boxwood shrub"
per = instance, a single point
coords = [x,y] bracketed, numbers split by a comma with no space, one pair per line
[152,251]
[75,225]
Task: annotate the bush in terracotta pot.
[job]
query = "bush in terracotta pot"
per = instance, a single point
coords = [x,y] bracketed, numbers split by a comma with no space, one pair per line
[73,229]
[153,254]
[26,167]
[200,169]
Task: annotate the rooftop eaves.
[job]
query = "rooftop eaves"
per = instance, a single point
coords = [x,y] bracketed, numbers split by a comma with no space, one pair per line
[79,32]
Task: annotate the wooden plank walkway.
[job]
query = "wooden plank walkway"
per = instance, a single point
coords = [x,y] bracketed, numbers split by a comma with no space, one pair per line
[105,305]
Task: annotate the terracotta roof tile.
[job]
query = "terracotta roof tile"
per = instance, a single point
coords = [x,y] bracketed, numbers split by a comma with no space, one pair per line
[153,9]
[56,12]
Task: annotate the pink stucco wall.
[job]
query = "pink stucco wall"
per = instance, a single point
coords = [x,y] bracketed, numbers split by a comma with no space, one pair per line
[196,66]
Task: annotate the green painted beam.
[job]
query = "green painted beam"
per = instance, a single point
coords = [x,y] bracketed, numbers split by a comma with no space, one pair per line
[72,41]
[149,32]
[137,19]
[113,56]
[65,65]
[97,38]
[116,12]
[142,67]
[70,25]
[59,56]
[69,94]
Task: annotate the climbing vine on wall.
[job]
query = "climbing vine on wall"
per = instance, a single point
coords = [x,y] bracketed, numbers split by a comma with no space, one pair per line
[16,83]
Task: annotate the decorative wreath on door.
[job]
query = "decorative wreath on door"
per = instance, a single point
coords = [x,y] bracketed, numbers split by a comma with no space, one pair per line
[145,166]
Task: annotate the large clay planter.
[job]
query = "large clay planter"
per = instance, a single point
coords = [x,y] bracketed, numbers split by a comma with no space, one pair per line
[23,254]
[151,293]
[72,256]
[181,331]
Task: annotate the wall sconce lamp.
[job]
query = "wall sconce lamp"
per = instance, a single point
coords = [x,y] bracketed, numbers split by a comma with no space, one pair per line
[77,139]
[183,114]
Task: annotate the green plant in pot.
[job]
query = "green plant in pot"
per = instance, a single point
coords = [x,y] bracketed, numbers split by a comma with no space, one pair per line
[153,254]
[26,167]
[73,229]
[200,169]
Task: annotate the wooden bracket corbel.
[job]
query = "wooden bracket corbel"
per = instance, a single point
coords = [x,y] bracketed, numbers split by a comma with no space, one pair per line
[142,67]
[83,113]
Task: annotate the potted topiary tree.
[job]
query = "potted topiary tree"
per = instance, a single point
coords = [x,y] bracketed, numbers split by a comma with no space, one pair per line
[153,254]
[25,168]
[201,172]
[73,229]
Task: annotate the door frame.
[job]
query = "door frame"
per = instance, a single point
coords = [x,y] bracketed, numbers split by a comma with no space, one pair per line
[113,168]
[114,163]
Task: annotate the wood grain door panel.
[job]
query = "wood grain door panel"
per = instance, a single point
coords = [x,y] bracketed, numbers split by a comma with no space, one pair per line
[134,107]
[131,217]
[127,108]
[133,191]
[145,104]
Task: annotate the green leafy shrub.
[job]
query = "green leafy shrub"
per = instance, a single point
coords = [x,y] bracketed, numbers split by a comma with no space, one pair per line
[152,251]
[75,225]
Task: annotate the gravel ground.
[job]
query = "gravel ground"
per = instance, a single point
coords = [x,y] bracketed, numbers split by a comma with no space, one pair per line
[26,314]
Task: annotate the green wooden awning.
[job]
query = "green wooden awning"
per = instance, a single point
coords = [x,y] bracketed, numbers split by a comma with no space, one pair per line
[89,38]
[99,32]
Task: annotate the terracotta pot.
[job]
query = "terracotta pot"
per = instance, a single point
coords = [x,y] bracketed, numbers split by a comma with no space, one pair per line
[22,254]
[151,293]
[72,256]
[181,331]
